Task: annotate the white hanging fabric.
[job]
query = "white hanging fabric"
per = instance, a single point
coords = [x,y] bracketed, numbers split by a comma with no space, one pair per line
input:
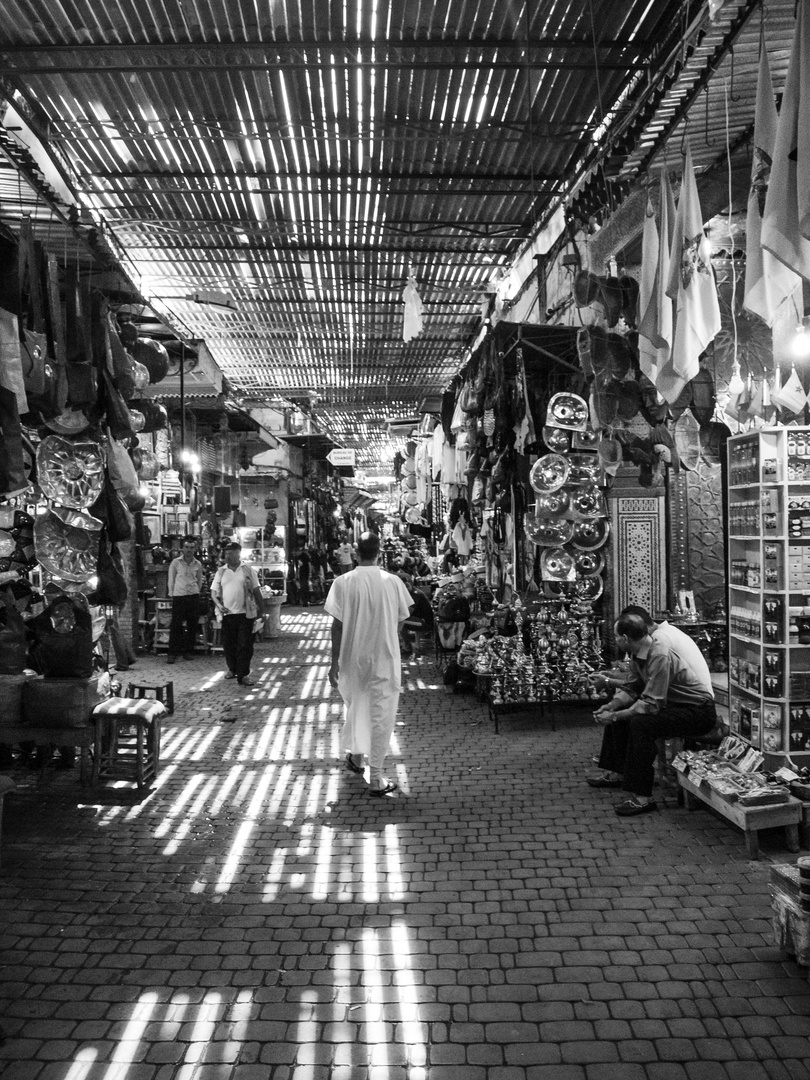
[412,325]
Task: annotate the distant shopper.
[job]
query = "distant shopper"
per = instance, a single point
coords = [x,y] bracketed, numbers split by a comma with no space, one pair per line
[368,606]
[185,586]
[304,568]
[343,557]
[237,596]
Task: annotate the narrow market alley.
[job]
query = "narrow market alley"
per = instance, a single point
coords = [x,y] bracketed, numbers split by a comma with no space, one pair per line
[258,917]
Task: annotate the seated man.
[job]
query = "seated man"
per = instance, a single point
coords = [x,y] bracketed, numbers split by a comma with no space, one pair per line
[420,620]
[670,696]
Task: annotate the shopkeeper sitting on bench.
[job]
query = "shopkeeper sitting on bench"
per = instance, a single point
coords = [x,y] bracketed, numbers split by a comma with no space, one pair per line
[420,620]
[670,696]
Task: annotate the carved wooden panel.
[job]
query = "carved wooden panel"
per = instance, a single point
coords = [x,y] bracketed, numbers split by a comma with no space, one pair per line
[639,553]
[706,536]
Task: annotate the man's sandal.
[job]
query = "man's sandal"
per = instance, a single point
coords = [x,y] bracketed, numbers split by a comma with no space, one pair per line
[379,792]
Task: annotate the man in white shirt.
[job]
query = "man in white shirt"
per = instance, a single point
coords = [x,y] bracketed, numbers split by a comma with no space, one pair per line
[237,596]
[368,606]
[185,584]
[343,555]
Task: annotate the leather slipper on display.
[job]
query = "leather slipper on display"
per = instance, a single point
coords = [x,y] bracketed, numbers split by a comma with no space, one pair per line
[632,808]
[378,793]
[351,765]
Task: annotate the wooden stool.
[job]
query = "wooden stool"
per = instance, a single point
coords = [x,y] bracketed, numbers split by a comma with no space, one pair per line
[127,740]
[158,691]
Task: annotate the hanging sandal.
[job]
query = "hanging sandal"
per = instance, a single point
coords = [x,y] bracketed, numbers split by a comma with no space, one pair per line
[379,792]
[351,765]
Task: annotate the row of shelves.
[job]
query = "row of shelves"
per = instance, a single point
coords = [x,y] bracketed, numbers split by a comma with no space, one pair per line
[768,508]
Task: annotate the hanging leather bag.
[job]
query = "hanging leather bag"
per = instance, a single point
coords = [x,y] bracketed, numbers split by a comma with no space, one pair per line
[110,509]
[112,585]
[64,639]
[37,373]
[13,644]
[82,377]
[57,350]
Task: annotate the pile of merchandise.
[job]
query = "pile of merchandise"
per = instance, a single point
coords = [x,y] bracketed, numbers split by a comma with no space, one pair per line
[552,659]
[735,772]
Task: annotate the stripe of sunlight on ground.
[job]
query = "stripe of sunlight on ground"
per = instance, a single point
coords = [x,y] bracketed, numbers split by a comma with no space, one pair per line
[109,814]
[236,852]
[248,802]
[193,816]
[359,1017]
[214,1030]
[316,683]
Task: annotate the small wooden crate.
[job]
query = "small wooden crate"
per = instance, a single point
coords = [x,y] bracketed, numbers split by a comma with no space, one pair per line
[163,692]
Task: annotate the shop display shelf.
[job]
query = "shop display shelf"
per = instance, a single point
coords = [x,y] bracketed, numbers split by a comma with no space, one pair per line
[744,689]
[773,554]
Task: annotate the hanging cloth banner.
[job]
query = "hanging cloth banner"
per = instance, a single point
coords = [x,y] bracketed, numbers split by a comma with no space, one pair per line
[768,282]
[412,325]
[786,221]
[692,287]
[656,325]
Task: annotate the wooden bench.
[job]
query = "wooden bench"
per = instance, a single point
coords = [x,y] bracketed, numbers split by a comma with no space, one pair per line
[748,818]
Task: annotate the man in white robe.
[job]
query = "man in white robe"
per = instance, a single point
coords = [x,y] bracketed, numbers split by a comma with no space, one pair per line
[368,606]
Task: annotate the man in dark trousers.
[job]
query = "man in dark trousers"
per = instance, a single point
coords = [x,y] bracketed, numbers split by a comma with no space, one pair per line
[304,568]
[185,584]
[669,696]
[238,598]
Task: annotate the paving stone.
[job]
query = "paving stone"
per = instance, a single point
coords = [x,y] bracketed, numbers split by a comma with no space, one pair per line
[449,935]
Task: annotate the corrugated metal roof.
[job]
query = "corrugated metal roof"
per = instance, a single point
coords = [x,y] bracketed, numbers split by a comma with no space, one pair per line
[303,157]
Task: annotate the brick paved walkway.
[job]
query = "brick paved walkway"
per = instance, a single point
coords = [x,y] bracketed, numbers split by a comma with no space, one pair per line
[259,917]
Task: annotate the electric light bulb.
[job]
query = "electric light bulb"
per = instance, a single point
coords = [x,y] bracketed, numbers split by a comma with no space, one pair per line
[735,383]
[800,344]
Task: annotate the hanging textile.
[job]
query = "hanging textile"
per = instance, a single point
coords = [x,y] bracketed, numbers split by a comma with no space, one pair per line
[767,280]
[786,221]
[692,287]
[412,324]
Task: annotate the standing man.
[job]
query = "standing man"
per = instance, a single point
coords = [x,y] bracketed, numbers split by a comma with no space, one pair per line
[671,696]
[238,598]
[343,556]
[304,568]
[185,583]
[368,606]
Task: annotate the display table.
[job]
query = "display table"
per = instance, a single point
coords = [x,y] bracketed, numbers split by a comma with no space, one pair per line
[748,818]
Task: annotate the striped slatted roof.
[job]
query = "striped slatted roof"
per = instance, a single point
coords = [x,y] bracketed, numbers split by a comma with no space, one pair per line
[296,160]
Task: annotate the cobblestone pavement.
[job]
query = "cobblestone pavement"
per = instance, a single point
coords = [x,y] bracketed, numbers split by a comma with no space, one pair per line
[258,917]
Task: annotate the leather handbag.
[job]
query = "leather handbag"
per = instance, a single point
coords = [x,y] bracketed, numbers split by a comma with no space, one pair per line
[64,639]
[112,585]
[13,644]
[42,385]
[82,377]
[110,509]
